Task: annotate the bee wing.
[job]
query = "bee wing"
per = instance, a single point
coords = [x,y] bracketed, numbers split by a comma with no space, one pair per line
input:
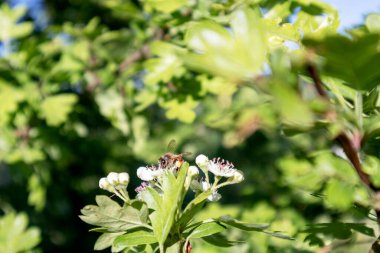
[186,153]
[171,146]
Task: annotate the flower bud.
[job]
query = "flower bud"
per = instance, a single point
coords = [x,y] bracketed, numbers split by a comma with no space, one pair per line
[237,177]
[215,196]
[113,178]
[196,186]
[193,171]
[123,178]
[201,160]
[105,184]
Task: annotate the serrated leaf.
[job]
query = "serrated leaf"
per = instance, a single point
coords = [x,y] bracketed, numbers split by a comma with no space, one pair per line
[181,110]
[55,109]
[133,239]
[110,215]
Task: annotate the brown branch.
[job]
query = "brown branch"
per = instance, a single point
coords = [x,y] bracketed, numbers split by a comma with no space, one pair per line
[350,147]
[143,53]
[317,80]
[352,154]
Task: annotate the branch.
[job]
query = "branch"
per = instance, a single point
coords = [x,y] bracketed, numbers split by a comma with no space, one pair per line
[142,53]
[349,147]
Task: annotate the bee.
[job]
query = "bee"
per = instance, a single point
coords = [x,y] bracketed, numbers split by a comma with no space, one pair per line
[171,161]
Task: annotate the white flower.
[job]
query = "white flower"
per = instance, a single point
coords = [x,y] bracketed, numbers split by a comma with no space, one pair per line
[202,161]
[123,178]
[113,178]
[221,168]
[193,171]
[215,196]
[156,172]
[145,174]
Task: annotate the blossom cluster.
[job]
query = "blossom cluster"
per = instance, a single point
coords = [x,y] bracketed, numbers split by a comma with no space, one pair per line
[152,176]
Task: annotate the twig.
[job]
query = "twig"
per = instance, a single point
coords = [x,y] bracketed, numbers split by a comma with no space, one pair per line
[350,147]
[143,53]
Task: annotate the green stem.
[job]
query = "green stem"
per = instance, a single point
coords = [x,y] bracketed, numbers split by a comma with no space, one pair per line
[162,248]
[359,109]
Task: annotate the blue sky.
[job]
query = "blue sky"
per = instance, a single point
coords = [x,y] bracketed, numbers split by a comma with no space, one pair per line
[352,12]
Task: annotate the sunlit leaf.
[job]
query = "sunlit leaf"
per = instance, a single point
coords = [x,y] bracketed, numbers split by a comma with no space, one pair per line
[236,55]
[55,109]
[14,234]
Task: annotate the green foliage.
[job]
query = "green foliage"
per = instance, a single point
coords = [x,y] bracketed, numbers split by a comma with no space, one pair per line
[238,55]
[15,236]
[106,84]
[350,60]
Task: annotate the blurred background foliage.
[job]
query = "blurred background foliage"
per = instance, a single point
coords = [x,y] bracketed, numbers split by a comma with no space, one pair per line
[89,87]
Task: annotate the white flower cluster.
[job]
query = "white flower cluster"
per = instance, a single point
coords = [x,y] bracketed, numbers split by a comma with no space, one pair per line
[220,169]
[116,183]
[151,176]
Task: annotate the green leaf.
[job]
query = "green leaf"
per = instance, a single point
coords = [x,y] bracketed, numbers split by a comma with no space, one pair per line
[165,6]
[106,240]
[372,22]
[228,220]
[14,234]
[111,105]
[352,60]
[220,240]
[10,98]
[206,229]
[171,200]
[166,66]
[55,109]
[339,194]
[175,248]
[314,240]
[110,215]
[11,28]
[37,192]
[336,230]
[133,239]
[193,207]
[294,111]
[181,110]
[236,55]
